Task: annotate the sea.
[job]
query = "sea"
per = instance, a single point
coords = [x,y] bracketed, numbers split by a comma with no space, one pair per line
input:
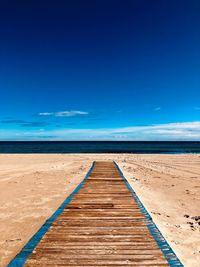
[138,147]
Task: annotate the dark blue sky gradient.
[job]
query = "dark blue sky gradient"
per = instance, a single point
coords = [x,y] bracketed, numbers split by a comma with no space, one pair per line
[124,62]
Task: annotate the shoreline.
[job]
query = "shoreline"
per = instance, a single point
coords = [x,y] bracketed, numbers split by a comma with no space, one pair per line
[24,178]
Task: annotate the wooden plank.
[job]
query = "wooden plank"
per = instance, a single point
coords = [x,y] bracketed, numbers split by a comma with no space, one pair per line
[101,226]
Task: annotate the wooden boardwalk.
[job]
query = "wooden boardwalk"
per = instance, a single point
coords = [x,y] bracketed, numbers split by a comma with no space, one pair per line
[102,226]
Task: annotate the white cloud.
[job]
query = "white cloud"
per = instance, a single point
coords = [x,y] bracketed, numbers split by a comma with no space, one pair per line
[70,113]
[169,131]
[157,109]
[45,114]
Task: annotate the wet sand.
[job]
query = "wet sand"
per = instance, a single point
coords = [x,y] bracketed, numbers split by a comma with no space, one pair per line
[32,186]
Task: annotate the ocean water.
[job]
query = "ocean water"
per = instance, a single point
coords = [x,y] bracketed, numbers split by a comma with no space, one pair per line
[100,147]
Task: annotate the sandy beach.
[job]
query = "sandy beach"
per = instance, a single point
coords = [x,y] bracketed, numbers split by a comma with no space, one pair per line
[32,186]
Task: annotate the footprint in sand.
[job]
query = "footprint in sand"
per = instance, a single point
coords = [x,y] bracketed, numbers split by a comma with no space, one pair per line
[195,223]
[13,240]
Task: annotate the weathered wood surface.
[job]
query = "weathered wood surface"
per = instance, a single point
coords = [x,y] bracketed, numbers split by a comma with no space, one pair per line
[102,226]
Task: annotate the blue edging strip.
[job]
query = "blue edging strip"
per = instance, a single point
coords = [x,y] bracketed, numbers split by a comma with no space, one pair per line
[21,258]
[162,243]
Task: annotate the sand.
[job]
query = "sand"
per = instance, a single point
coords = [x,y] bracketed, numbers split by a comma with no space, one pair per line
[32,186]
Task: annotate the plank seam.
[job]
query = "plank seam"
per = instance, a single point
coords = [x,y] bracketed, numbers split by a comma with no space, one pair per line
[153,229]
[20,259]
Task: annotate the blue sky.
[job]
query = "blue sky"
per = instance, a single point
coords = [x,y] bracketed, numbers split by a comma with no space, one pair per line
[100,70]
